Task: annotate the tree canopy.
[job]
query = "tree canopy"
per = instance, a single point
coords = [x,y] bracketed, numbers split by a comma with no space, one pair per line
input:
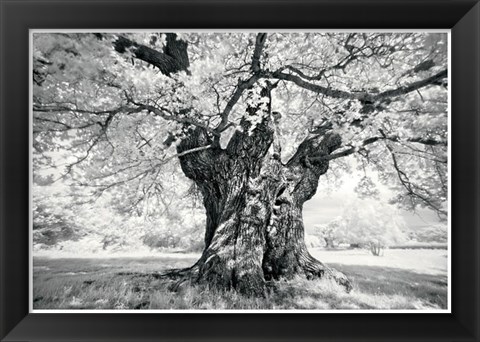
[110,108]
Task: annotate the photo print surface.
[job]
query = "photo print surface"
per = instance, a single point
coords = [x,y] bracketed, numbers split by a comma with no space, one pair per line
[279,170]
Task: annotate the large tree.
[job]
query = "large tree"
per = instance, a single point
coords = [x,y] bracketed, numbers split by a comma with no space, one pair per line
[254,121]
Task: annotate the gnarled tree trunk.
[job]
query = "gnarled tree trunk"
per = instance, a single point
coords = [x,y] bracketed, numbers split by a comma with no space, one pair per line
[254,203]
[254,231]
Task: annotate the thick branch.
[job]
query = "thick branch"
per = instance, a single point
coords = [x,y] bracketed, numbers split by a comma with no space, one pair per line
[257,53]
[174,58]
[412,87]
[354,149]
[363,96]
[340,94]
[321,145]
[244,85]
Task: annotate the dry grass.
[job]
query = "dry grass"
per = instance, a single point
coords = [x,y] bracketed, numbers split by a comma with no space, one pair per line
[130,283]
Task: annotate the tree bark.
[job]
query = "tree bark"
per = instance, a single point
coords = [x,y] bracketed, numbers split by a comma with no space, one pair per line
[287,254]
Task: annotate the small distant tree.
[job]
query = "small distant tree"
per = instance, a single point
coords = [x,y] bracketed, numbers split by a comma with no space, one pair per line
[330,232]
[371,224]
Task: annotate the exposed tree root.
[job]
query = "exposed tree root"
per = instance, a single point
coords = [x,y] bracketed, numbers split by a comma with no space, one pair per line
[310,267]
[181,276]
[314,268]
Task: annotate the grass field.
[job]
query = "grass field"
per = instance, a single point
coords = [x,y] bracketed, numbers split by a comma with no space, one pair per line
[132,283]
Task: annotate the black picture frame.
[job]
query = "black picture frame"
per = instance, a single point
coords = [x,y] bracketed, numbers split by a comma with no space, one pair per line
[17,17]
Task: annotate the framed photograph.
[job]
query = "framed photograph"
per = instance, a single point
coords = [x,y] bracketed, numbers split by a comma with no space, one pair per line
[295,167]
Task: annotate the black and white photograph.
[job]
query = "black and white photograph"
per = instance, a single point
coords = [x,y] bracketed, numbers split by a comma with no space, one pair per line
[280,171]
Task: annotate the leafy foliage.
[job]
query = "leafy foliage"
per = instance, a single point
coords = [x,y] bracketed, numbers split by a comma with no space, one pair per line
[436,233]
[69,222]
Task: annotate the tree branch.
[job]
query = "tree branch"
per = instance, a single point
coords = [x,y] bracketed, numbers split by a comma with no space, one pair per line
[163,113]
[181,154]
[354,149]
[340,94]
[412,188]
[150,168]
[362,96]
